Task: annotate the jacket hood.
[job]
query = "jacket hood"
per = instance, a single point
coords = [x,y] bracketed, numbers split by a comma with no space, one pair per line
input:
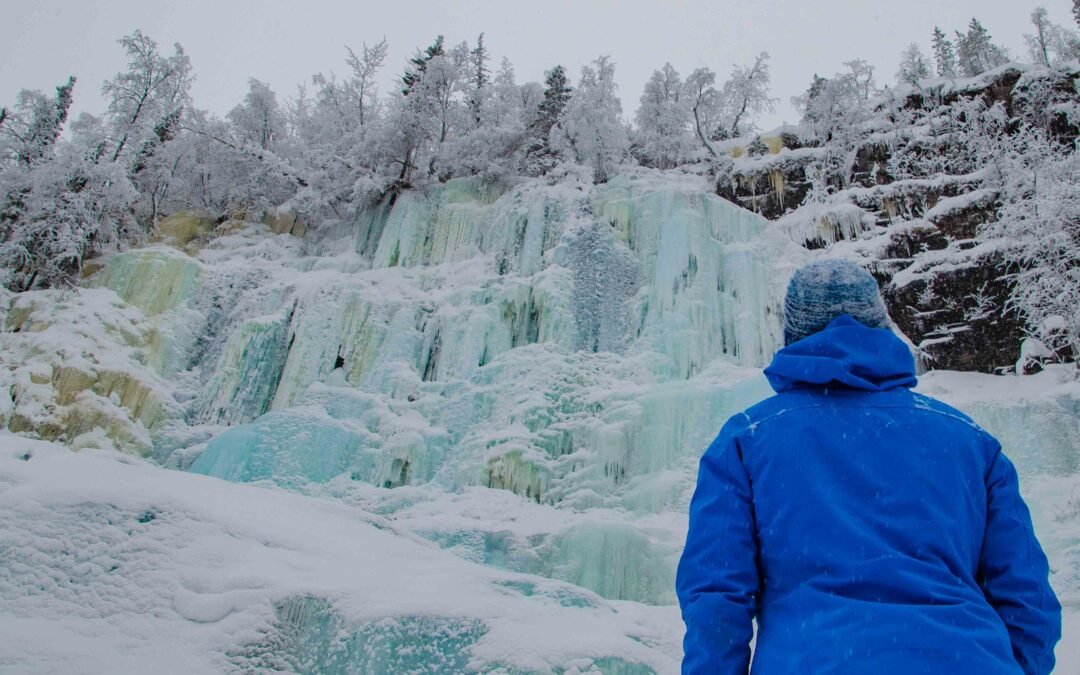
[845,353]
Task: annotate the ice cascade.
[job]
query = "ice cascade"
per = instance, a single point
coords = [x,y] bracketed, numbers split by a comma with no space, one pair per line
[523,375]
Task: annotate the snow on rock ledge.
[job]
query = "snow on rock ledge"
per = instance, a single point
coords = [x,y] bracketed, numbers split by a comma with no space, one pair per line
[74,370]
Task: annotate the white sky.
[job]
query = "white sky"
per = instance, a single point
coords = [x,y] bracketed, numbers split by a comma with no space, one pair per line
[284,42]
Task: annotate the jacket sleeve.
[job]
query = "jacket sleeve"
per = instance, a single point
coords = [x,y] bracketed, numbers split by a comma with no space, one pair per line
[717,580]
[1013,572]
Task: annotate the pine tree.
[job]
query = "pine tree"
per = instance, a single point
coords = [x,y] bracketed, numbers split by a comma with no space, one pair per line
[37,123]
[479,56]
[420,63]
[976,52]
[481,78]
[540,157]
[817,85]
[28,136]
[62,199]
[944,56]
[1076,11]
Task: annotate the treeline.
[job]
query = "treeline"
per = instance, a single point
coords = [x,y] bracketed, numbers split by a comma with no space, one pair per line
[338,146]
[334,148]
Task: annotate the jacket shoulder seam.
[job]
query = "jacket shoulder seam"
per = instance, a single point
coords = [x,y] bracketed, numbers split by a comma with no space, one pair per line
[751,423]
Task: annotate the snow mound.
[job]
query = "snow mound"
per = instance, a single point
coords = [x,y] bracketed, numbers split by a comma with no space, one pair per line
[110,564]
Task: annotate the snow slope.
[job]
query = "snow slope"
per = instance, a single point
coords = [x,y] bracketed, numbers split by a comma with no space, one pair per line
[110,564]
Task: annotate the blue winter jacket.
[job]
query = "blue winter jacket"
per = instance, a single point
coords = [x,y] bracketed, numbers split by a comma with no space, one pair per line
[868,528]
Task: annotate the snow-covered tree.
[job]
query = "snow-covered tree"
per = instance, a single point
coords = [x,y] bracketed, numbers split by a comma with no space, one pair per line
[733,109]
[362,84]
[541,155]
[428,112]
[861,77]
[258,163]
[1039,43]
[147,103]
[72,203]
[33,125]
[333,108]
[1039,225]
[505,103]
[441,91]
[592,130]
[61,199]
[944,54]
[530,96]
[914,67]
[258,120]
[746,95]
[828,104]
[479,79]
[835,111]
[663,120]
[1051,44]
[419,63]
[491,143]
[151,90]
[705,105]
[976,52]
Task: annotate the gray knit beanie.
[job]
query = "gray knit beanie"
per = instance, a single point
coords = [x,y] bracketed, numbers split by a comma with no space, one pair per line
[825,289]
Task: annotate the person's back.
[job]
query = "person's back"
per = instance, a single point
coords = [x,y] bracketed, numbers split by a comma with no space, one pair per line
[869,529]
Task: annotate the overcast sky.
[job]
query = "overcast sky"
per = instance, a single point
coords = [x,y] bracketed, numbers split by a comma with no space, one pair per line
[284,42]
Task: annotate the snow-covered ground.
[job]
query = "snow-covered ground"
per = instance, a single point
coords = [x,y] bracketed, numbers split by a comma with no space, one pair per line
[110,564]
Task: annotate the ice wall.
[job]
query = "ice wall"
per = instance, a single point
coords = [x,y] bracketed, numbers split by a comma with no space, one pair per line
[472,299]
[709,273]
[574,345]
[161,282]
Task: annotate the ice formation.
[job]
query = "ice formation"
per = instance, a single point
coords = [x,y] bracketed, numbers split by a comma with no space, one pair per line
[523,376]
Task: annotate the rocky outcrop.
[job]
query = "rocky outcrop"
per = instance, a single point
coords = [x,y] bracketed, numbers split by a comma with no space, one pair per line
[920,235]
[185,230]
[284,221]
[769,176]
[955,315]
[76,372]
[190,231]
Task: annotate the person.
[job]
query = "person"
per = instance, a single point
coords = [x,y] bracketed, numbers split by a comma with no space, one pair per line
[867,528]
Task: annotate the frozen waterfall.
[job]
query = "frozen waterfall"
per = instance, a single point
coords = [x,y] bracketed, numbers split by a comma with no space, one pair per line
[524,377]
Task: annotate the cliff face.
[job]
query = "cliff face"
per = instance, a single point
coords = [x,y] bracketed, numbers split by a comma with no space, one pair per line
[885,192]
